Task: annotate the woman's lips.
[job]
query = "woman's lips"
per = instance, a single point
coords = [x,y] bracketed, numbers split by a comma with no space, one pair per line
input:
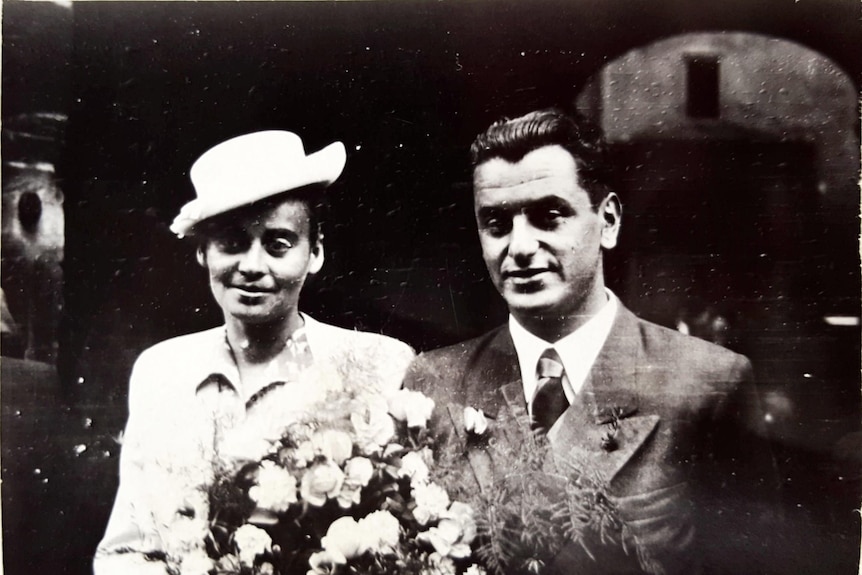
[251,291]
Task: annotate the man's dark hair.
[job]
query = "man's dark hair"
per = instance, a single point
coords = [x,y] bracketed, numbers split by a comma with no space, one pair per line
[314,198]
[512,139]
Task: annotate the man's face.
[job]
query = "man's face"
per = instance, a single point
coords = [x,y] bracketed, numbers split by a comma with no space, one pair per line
[258,263]
[541,238]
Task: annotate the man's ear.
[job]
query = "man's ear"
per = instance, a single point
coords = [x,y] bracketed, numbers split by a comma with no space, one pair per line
[316,260]
[611,212]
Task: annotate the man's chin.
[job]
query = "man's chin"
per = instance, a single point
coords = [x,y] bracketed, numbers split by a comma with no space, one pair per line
[530,304]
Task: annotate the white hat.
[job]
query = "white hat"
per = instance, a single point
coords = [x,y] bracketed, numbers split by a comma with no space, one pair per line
[253,167]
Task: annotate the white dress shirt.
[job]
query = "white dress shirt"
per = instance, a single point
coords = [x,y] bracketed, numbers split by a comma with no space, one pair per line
[578,350]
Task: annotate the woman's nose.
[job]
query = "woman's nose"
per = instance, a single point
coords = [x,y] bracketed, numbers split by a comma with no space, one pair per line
[252,261]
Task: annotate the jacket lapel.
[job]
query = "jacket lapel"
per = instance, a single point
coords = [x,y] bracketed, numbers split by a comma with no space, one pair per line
[493,368]
[492,383]
[603,425]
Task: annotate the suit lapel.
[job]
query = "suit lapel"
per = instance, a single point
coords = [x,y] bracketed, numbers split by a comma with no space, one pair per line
[493,368]
[607,405]
[603,425]
[492,383]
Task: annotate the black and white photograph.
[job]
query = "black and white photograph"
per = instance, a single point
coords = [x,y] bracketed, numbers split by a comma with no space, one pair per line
[477,287]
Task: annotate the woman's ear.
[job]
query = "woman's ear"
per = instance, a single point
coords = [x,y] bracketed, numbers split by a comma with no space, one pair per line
[316,259]
[201,256]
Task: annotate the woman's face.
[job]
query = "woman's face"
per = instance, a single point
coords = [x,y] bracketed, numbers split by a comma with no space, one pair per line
[258,263]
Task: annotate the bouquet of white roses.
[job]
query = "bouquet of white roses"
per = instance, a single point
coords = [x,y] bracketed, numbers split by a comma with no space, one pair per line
[345,489]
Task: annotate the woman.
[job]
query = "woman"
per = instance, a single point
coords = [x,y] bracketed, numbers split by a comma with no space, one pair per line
[200,400]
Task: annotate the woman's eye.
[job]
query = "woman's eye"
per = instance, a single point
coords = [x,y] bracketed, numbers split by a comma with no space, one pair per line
[231,244]
[278,245]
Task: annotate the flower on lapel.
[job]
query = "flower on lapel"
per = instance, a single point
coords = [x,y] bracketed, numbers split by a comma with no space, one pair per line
[612,418]
[475,422]
[609,441]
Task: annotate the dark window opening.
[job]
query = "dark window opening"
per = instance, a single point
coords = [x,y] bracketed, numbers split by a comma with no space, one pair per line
[702,101]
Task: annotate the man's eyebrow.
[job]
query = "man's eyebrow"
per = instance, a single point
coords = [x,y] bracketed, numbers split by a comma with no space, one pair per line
[540,203]
[486,211]
[550,202]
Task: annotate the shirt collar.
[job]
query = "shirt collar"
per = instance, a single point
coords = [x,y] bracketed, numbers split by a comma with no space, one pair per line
[578,350]
[222,372]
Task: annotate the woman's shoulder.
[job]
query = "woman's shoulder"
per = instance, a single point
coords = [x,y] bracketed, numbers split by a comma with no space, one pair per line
[378,359]
[339,338]
[183,347]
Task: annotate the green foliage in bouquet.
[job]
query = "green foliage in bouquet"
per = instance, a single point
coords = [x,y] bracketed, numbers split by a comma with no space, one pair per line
[533,505]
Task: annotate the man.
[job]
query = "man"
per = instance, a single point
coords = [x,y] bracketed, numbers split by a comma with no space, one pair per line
[670,421]
[203,400]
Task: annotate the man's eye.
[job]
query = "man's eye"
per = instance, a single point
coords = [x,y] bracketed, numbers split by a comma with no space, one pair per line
[547,219]
[496,226]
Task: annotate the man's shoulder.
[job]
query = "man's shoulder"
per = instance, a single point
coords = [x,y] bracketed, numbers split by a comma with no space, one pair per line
[447,366]
[659,340]
[687,366]
[461,352]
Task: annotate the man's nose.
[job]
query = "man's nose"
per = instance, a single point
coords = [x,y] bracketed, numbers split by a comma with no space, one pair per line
[252,261]
[522,240]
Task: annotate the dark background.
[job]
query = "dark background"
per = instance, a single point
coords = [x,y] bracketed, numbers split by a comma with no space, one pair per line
[405,85]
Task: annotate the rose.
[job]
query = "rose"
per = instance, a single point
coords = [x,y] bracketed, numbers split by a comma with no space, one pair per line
[324,563]
[196,563]
[475,421]
[439,565]
[411,406]
[251,541]
[431,501]
[413,466]
[333,444]
[345,539]
[298,457]
[276,488]
[372,425]
[474,570]
[464,516]
[321,482]
[383,531]
[358,472]
[454,533]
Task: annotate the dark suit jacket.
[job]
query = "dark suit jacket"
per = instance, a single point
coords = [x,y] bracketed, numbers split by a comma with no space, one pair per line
[690,471]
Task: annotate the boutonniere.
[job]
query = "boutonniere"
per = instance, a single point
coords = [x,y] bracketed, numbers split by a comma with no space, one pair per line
[476,425]
[611,420]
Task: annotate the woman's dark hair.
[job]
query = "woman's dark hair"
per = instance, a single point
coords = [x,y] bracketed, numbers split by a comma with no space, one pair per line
[512,139]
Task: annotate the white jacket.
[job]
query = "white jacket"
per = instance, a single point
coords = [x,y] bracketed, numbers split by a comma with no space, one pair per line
[184,406]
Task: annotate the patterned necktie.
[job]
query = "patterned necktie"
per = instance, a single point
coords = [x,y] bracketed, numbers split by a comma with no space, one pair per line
[549,400]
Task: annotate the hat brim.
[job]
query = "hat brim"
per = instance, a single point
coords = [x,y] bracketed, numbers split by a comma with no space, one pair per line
[321,168]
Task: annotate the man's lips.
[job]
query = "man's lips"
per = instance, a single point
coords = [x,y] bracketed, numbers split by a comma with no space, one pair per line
[524,274]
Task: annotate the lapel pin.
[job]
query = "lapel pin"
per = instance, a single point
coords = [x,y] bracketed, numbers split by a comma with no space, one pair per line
[609,442]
